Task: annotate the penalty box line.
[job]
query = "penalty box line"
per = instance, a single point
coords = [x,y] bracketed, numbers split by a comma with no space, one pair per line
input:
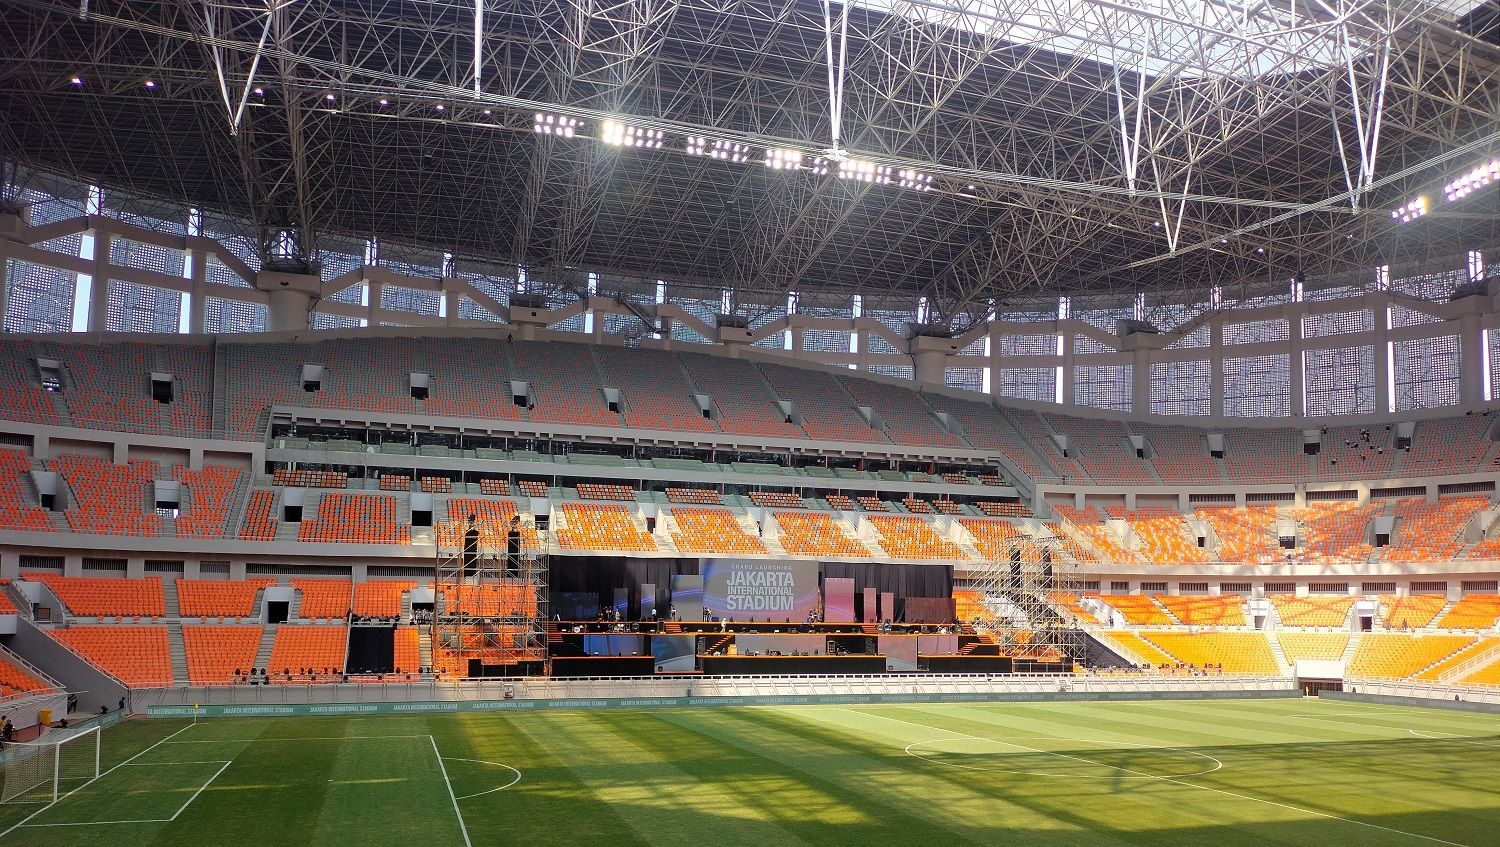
[224,765]
[1175,781]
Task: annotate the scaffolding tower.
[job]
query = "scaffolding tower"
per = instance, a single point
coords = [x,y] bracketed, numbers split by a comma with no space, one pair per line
[1018,582]
[490,600]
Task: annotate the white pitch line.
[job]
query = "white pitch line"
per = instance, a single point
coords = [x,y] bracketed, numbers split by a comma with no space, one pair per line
[460,815]
[23,821]
[155,764]
[1448,736]
[291,738]
[1173,781]
[97,823]
[495,764]
[199,791]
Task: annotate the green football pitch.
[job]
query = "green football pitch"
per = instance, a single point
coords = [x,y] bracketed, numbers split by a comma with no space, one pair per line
[1290,771]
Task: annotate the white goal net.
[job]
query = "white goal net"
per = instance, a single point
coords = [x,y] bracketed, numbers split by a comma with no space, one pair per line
[40,771]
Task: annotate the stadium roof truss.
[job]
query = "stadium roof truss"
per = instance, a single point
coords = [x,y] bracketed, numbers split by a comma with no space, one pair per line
[969,152]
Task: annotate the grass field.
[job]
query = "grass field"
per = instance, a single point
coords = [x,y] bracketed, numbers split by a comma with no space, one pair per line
[1147,773]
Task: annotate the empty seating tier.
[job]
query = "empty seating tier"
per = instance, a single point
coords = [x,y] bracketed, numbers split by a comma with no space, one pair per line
[565,384]
[777,500]
[407,657]
[917,507]
[1463,662]
[1162,536]
[16,513]
[1138,609]
[211,598]
[106,596]
[1397,655]
[700,496]
[435,485]
[395,482]
[1205,610]
[605,491]
[355,519]
[216,655]
[1323,646]
[324,598]
[303,651]
[815,534]
[1334,533]
[299,478]
[494,487]
[533,488]
[655,391]
[1087,525]
[492,599]
[206,505]
[1235,652]
[380,598]
[1474,611]
[827,409]
[906,537]
[135,655]
[840,502]
[260,523]
[907,419]
[712,531]
[872,504]
[1003,509]
[1141,648]
[1246,535]
[599,526]
[109,499]
[1411,612]
[744,403]
[1430,532]
[17,679]
[1317,610]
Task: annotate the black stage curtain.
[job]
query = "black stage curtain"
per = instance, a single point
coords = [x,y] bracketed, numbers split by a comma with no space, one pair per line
[902,580]
[601,575]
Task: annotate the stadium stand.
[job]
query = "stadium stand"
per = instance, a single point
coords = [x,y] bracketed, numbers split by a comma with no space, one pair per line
[1398,656]
[1162,535]
[1103,448]
[1138,609]
[777,500]
[490,600]
[1245,534]
[355,519]
[815,534]
[1449,446]
[137,656]
[1264,455]
[565,384]
[218,655]
[494,487]
[711,531]
[1473,611]
[302,652]
[16,512]
[655,391]
[1413,611]
[1430,532]
[1355,452]
[605,491]
[493,519]
[260,524]
[1325,646]
[1205,610]
[16,679]
[744,402]
[601,526]
[1331,610]
[906,537]
[211,598]
[324,598]
[917,507]
[1334,533]
[1244,653]
[395,482]
[699,496]
[24,399]
[1141,648]
[380,598]
[1035,432]
[209,492]
[827,409]
[302,478]
[1456,663]
[103,597]
[1089,529]
[907,418]
[1179,455]
[110,499]
[407,657]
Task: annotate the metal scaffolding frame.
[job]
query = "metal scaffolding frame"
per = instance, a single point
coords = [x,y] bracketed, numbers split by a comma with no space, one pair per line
[1075,146]
[1018,585]
[511,643]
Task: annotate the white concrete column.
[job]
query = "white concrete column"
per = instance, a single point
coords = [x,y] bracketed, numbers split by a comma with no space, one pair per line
[99,292]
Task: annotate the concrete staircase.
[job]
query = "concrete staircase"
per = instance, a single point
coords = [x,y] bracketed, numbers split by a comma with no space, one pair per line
[169,596]
[1275,644]
[178,652]
[405,607]
[424,646]
[1350,648]
[294,608]
[263,652]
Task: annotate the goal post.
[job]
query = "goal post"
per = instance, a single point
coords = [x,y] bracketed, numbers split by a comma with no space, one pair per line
[43,770]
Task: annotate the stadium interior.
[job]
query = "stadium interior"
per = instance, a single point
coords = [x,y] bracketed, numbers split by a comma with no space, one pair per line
[361,356]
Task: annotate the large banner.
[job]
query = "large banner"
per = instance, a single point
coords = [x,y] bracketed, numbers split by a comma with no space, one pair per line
[838,600]
[687,598]
[760,590]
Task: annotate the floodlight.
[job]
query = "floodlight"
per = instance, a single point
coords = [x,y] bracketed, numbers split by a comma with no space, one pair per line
[562,125]
[865,171]
[624,135]
[820,165]
[783,159]
[1411,211]
[914,180]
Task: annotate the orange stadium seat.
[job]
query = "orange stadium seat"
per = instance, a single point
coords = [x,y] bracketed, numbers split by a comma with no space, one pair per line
[745,404]
[699,496]
[106,596]
[16,513]
[1473,611]
[1430,532]
[907,418]
[260,524]
[206,506]
[492,517]
[215,653]
[356,519]
[825,405]
[207,598]
[906,537]
[109,499]
[302,478]
[1137,609]
[599,526]
[1087,527]
[1162,536]
[1326,646]
[380,598]
[1317,610]
[1461,662]
[815,534]
[840,502]
[302,652]
[324,598]
[1399,655]
[408,652]
[712,531]
[1204,609]
[1246,535]
[135,655]
[16,679]
[1411,612]
[604,491]
[1235,652]
[494,487]
[777,500]
[395,482]
[492,599]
